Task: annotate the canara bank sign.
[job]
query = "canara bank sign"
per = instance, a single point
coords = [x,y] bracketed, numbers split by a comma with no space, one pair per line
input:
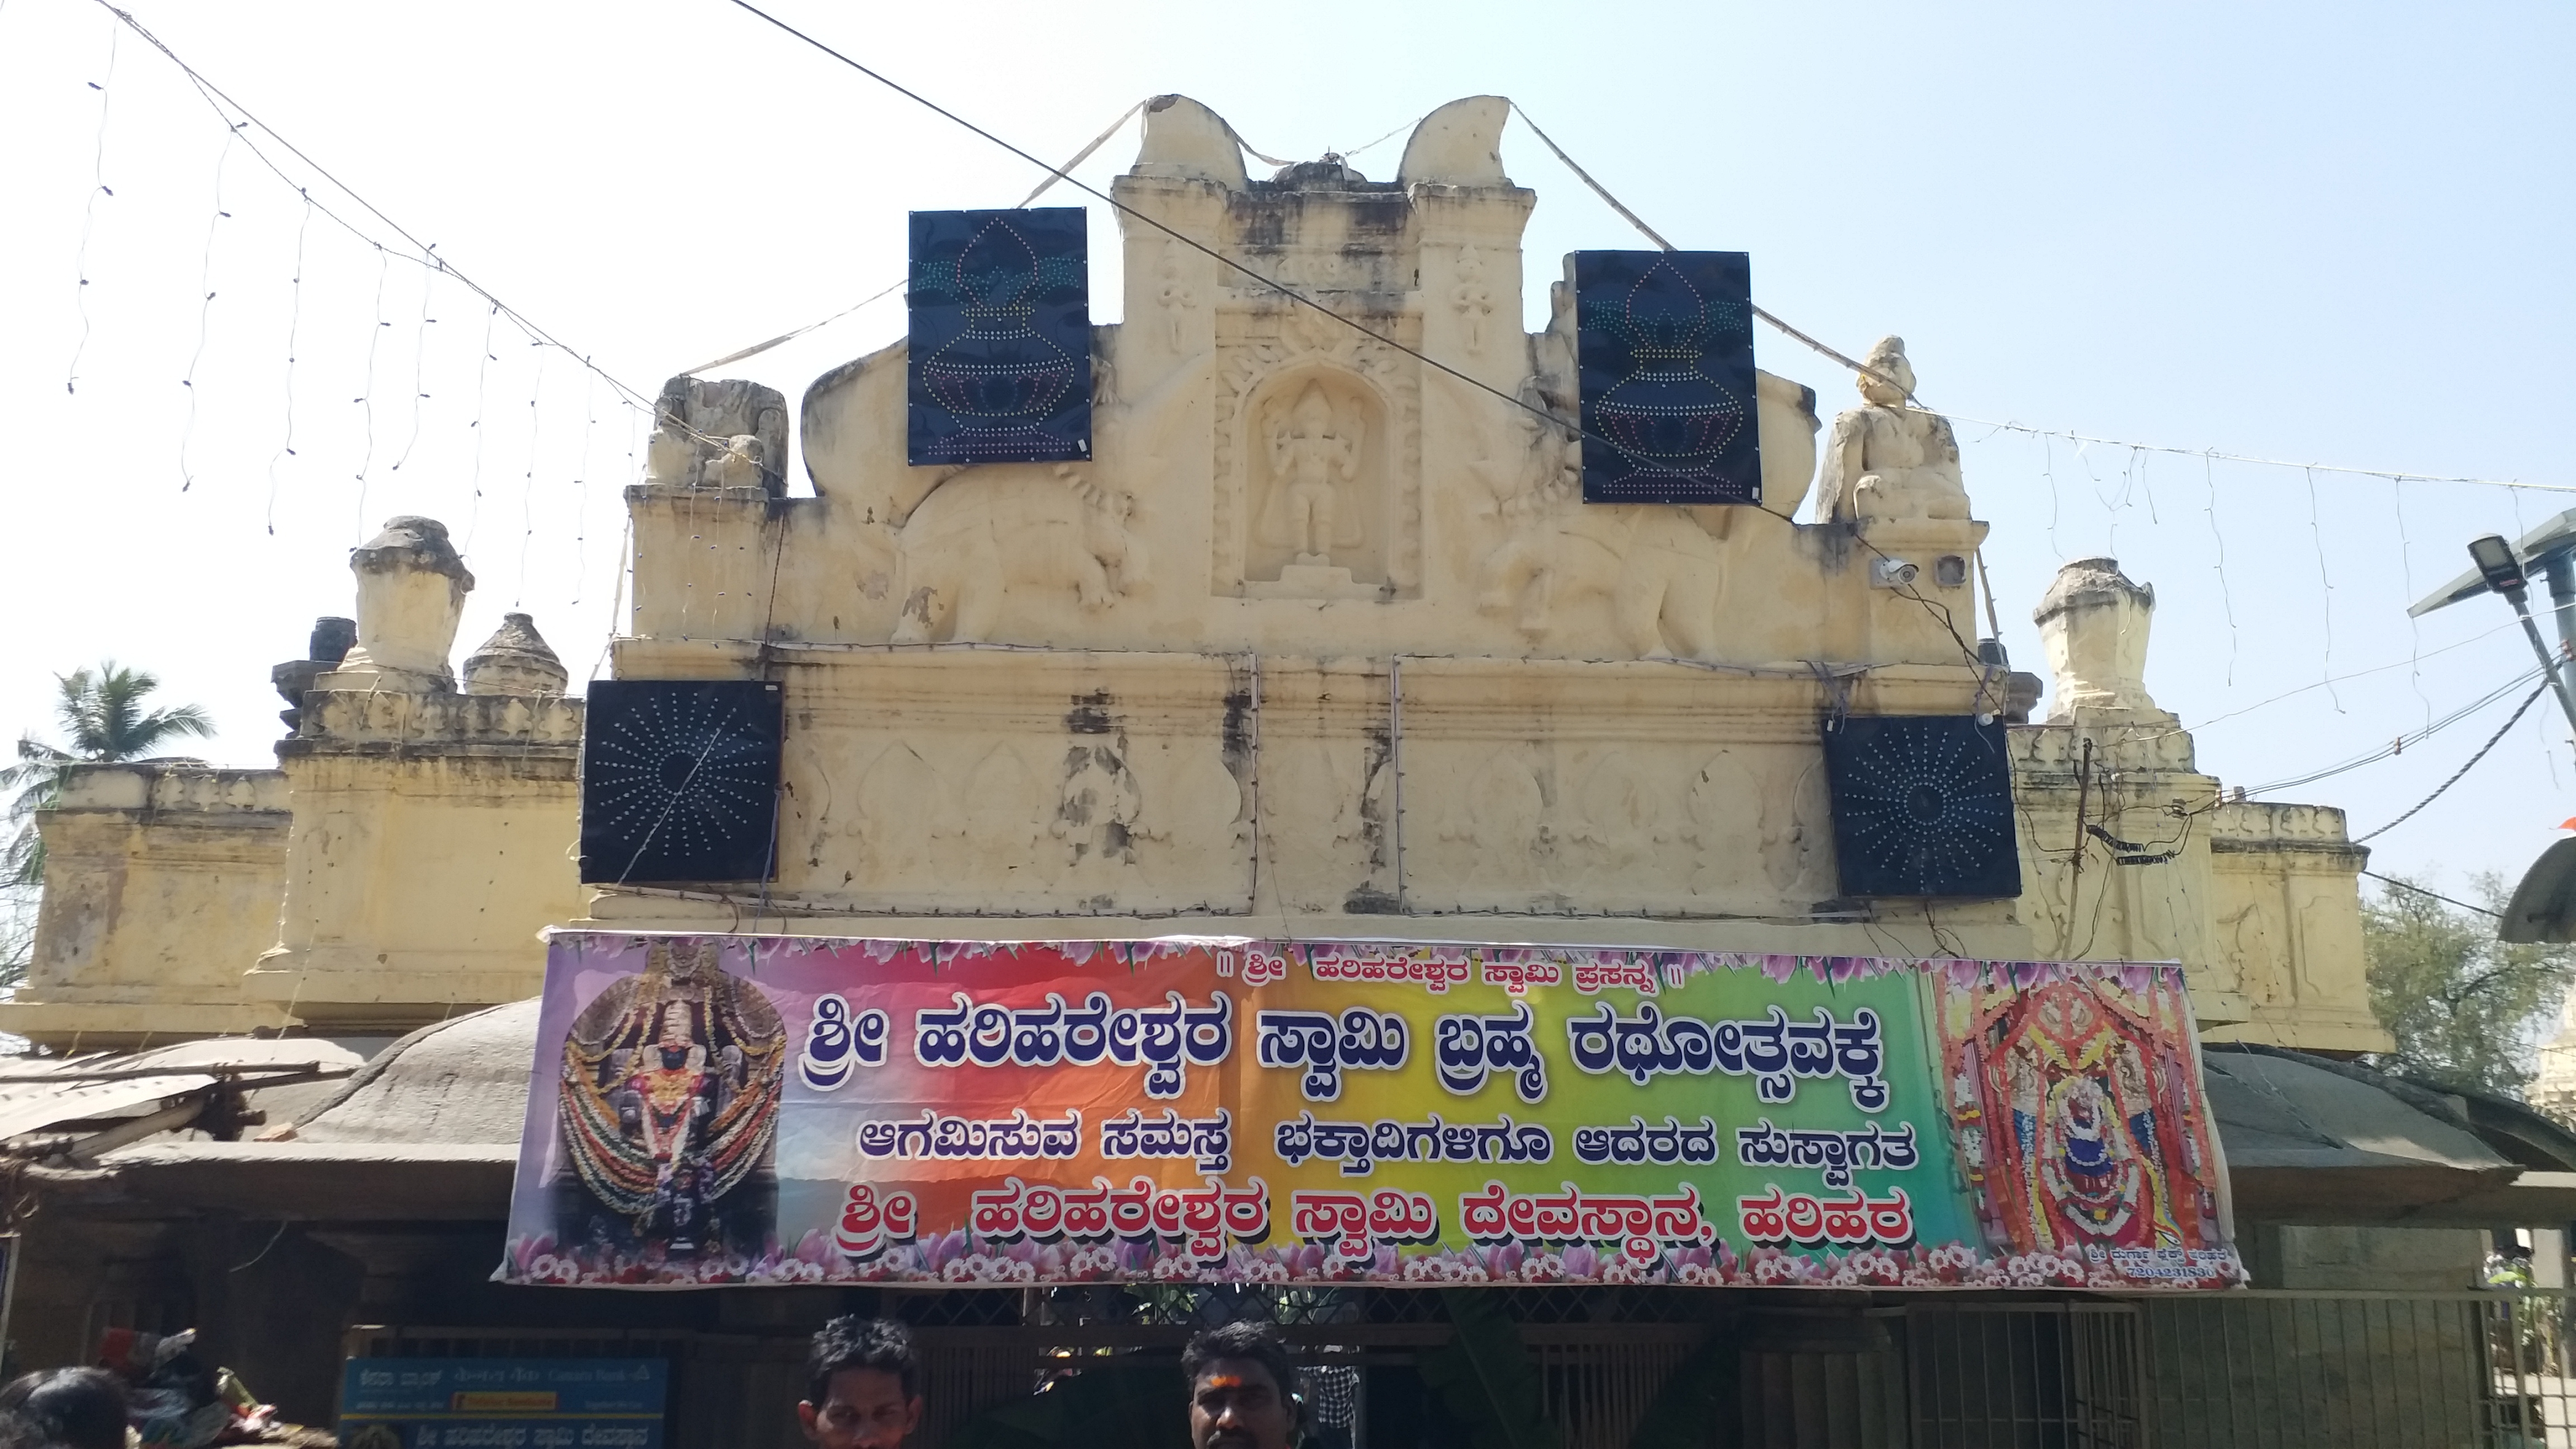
[740,1109]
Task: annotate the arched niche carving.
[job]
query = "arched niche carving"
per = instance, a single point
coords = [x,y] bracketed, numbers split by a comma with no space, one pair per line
[1314,443]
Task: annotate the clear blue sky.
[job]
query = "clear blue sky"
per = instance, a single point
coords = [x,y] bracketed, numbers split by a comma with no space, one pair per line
[2332,233]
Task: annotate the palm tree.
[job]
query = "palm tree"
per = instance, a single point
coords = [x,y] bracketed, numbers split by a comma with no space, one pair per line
[102,711]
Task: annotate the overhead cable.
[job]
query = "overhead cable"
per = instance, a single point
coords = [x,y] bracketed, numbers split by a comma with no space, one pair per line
[2408,885]
[2400,745]
[2492,741]
[2394,475]
[428,255]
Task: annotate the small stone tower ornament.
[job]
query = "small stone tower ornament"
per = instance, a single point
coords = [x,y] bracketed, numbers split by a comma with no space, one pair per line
[515,660]
[2093,623]
[411,594]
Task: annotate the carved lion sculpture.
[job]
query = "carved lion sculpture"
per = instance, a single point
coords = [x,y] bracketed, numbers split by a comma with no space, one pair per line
[994,533]
[1660,572]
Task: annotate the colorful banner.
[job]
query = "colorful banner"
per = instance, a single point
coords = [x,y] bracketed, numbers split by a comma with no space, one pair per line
[741,1109]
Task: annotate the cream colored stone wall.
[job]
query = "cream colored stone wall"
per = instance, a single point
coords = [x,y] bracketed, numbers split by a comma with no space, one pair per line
[161,887]
[432,842]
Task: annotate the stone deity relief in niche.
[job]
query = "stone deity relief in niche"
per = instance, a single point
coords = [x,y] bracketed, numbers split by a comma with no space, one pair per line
[1318,467]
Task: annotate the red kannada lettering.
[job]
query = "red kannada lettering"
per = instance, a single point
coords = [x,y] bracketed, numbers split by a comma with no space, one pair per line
[868,1226]
[1643,1226]
[1857,1220]
[1202,1217]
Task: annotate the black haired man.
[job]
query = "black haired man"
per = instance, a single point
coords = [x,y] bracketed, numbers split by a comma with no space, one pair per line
[1243,1389]
[862,1385]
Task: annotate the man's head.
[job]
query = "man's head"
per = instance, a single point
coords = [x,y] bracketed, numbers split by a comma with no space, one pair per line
[862,1385]
[78,1408]
[1242,1389]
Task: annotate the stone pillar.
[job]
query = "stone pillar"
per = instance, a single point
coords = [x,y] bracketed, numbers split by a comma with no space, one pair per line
[2093,623]
[411,594]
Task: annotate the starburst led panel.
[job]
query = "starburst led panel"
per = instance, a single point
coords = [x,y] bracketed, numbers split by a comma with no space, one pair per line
[679,780]
[1922,807]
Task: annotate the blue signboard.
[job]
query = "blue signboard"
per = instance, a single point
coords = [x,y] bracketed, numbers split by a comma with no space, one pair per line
[502,1403]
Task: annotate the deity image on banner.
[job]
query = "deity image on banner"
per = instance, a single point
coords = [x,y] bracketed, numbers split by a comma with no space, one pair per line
[2078,1114]
[669,1112]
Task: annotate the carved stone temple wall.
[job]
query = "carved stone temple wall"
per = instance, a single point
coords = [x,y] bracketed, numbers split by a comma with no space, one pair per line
[394,869]
[1147,694]
[1320,641]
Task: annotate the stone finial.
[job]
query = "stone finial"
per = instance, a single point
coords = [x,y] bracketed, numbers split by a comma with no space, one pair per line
[2093,622]
[331,641]
[411,593]
[515,660]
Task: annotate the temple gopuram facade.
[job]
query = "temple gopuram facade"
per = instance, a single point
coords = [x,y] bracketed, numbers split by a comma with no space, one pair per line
[1321,641]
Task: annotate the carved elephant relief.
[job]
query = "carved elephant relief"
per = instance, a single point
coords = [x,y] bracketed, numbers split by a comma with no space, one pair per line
[989,536]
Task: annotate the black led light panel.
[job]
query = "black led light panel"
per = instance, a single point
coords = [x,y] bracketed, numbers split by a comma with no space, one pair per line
[1922,807]
[679,780]
[1664,353]
[999,366]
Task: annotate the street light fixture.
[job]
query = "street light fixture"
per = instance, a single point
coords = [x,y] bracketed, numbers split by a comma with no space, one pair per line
[2543,907]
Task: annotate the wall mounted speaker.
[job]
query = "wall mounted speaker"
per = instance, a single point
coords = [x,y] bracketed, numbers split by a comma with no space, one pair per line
[1922,807]
[679,780]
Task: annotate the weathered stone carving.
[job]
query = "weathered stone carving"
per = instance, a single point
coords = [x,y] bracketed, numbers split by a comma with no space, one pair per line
[1660,573]
[1316,425]
[1890,459]
[331,641]
[411,595]
[700,431]
[515,660]
[1473,298]
[992,532]
[2093,622]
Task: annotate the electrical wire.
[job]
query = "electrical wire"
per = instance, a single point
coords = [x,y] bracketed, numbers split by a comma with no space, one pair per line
[2492,741]
[2408,885]
[2395,475]
[2399,745]
[426,252]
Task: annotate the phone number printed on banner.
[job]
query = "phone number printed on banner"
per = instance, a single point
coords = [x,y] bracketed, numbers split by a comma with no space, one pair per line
[1168,1040]
[1644,1227]
[1838,1154]
[1201,1218]
[1209,1140]
[1360,1146]
[1360,1040]
[1779,1219]
[1638,1142]
[1774,1050]
[838,1041]
[1016,1138]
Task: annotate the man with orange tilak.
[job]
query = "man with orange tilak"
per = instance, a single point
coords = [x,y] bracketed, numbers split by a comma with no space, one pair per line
[863,1385]
[1243,1389]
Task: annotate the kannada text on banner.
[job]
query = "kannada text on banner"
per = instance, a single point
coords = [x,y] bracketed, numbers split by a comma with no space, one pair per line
[739,1109]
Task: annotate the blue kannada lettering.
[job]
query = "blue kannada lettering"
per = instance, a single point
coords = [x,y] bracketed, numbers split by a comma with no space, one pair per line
[1208,1140]
[1638,1142]
[999,1139]
[1168,1040]
[1469,1048]
[1362,1040]
[837,1042]
[1773,1050]
[1360,1146]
